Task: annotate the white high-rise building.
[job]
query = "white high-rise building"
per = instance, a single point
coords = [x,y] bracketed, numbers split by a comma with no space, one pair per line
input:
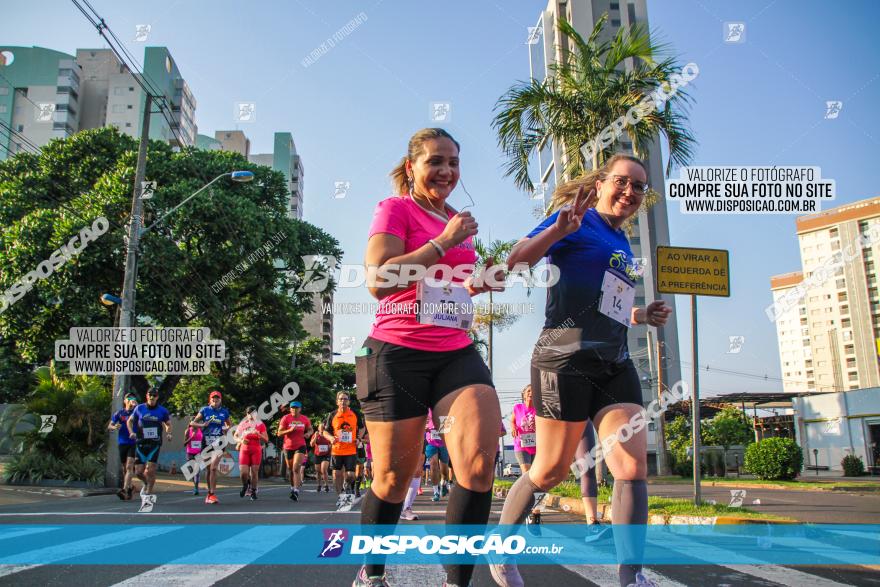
[829,335]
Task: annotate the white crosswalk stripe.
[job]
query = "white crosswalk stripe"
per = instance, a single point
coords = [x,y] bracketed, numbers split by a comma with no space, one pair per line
[7,535]
[53,554]
[245,547]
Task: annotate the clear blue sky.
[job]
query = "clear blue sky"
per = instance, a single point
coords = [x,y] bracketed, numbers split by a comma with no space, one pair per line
[351,112]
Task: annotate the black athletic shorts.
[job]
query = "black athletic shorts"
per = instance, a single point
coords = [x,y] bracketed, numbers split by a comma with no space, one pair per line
[126,451]
[347,461]
[581,392]
[288,453]
[396,382]
[147,451]
[322,459]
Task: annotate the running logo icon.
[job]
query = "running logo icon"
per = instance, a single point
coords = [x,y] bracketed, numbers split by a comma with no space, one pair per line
[318,269]
[334,540]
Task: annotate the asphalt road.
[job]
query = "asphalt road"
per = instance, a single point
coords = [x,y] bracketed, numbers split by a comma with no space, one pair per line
[52,562]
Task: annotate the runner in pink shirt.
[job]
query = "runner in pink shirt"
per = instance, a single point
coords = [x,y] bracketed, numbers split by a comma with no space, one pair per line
[420,259]
[249,435]
[294,428]
[194,442]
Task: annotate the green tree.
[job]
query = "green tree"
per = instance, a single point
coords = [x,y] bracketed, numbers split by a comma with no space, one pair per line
[237,231]
[488,318]
[583,94]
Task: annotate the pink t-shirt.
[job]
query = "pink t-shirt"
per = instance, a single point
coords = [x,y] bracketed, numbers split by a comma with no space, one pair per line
[296,438]
[250,430]
[525,424]
[396,319]
[429,432]
[194,444]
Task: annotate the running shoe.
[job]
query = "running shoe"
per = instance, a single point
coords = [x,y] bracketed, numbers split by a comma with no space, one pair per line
[444,489]
[211,498]
[293,495]
[362,580]
[596,531]
[326,489]
[436,496]
[253,496]
[408,514]
[244,488]
[195,491]
[128,493]
[357,491]
[506,575]
[643,581]
[419,492]
[121,494]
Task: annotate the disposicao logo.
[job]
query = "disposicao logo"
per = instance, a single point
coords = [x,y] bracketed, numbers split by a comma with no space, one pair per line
[334,540]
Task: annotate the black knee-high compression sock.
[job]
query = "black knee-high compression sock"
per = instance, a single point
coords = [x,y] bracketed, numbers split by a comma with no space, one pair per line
[466,507]
[629,506]
[380,512]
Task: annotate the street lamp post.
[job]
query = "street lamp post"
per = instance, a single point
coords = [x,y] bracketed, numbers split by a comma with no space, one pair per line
[127,313]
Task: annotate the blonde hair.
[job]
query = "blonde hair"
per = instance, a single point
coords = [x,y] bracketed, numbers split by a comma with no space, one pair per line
[522,394]
[414,149]
[565,193]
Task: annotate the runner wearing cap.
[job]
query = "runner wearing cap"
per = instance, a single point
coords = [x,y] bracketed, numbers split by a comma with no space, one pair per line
[144,428]
[294,428]
[250,435]
[126,444]
[343,428]
[420,261]
[194,442]
[214,421]
[321,450]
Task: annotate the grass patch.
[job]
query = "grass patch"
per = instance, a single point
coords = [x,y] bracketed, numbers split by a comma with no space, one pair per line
[796,484]
[683,507]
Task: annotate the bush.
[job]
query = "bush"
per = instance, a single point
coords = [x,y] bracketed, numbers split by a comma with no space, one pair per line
[33,466]
[852,466]
[774,459]
[720,465]
[686,469]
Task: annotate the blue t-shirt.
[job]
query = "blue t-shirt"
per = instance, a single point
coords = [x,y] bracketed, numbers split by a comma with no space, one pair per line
[121,417]
[148,422]
[580,331]
[214,419]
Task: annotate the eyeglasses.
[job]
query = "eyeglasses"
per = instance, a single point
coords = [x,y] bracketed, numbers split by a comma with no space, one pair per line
[343,399]
[621,181]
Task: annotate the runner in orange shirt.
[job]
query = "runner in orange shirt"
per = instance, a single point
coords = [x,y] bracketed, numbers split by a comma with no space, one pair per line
[343,428]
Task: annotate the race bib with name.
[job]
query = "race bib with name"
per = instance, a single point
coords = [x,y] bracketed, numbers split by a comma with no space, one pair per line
[345,436]
[195,444]
[617,298]
[151,433]
[321,449]
[435,434]
[527,440]
[444,304]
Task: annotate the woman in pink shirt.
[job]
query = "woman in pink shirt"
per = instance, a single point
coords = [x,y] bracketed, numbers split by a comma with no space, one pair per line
[250,435]
[193,440]
[418,354]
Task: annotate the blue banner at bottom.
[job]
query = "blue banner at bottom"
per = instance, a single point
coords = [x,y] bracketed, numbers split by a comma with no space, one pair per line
[155,544]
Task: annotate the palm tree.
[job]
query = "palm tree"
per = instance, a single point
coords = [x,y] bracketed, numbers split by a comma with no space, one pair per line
[583,94]
[495,252]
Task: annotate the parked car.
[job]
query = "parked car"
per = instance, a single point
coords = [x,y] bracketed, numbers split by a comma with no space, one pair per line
[511,470]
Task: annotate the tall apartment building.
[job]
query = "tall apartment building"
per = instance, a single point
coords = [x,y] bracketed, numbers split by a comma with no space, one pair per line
[547,46]
[829,337]
[40,97]
[46,94]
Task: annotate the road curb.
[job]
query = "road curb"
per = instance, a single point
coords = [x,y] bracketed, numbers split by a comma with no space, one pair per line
[572,505]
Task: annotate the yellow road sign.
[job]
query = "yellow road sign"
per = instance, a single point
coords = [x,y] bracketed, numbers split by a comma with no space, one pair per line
[701,272]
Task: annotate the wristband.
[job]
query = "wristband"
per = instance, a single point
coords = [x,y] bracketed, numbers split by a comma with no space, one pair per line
[437,248]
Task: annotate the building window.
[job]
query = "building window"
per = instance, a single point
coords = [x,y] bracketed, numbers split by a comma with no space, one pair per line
[833,232]
[841,296]
[844,309]
[845,323]
[853,376]
[841,284]
[118,91]
[851,363]
[615,6]
[849,349]
[127,125]
[615,22]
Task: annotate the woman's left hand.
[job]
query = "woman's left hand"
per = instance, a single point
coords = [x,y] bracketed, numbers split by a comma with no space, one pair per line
[656,314]
[489,279]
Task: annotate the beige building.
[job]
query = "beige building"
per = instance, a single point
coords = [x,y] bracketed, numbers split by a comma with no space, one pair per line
[828,318]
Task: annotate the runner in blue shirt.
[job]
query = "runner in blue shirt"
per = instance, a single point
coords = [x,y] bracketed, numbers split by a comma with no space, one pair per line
[126,444]
[215,420]
[144,428]
[581,369]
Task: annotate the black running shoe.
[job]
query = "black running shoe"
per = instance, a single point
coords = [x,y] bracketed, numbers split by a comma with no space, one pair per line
[293,495]
[244,488]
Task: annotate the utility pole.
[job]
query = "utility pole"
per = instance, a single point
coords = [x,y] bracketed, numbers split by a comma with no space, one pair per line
[662,455]
[127,314]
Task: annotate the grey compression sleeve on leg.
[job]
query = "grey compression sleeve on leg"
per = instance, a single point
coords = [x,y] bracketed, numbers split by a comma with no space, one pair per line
[589,487]
[629,506]
[520,501]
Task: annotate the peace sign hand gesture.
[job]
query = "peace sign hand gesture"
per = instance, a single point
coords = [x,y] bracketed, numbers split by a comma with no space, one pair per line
[571,215]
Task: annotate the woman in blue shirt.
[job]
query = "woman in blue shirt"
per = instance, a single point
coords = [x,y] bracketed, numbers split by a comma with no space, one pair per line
[581,368]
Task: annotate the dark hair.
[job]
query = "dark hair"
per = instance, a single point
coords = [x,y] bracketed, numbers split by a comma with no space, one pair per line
[250,409]
[414,149]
